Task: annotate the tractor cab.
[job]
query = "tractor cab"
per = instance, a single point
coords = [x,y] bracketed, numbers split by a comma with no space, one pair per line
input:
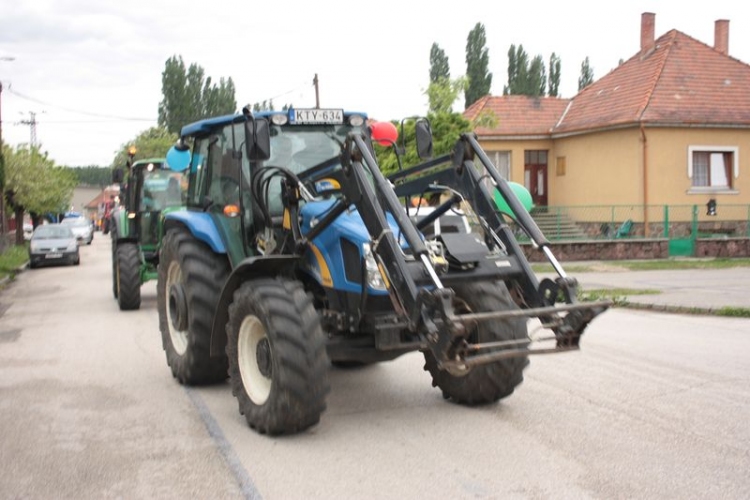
[241,167]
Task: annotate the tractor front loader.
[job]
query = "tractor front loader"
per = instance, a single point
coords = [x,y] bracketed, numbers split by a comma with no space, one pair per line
[296,251]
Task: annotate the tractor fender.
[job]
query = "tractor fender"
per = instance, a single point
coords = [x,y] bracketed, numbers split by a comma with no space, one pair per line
[200,225]
[250,268]
[119,226]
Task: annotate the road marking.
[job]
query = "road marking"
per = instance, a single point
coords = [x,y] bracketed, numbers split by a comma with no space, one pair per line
[247,486]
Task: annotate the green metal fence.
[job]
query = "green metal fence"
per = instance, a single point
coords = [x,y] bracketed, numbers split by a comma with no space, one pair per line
[673,222]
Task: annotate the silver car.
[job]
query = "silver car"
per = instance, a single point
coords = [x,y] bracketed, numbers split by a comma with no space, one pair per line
[53,244]
[81,227]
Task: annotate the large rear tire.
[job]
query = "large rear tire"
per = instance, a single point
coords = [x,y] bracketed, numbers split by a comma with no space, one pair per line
[487,383]
[191,277]
[278,365]
[128,277]
[114,268]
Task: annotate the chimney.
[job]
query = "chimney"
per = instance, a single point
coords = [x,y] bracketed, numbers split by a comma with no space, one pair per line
[647,31]
[721,36]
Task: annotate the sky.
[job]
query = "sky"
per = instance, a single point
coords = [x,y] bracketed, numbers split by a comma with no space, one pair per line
[88,72]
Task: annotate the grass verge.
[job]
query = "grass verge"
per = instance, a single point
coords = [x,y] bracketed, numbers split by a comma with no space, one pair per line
[11,259]
[647,265]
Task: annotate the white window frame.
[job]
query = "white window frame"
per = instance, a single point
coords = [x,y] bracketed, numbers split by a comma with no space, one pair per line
[714,149]
[504,170]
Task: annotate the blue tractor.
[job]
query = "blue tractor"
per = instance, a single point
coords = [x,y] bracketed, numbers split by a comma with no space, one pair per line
[296,252]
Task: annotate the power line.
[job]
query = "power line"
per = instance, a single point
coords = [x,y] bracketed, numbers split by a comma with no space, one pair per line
[81,112]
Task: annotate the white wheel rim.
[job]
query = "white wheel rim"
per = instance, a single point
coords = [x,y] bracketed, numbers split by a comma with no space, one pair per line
[179,338]
[257,386]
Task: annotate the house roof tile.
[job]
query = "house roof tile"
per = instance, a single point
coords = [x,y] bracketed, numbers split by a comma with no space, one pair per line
[518,114]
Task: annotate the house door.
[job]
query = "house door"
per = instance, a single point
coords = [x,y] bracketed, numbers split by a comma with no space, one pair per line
[535,176]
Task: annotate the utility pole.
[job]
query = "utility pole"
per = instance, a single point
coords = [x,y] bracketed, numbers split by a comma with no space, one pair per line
[317,97]
[31,122]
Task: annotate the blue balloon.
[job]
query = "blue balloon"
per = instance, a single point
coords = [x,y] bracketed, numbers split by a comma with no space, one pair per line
[178,160]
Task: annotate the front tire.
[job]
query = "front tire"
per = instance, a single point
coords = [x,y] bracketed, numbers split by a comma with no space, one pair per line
[128,277]
[487,383]
[278,365]
[191,276]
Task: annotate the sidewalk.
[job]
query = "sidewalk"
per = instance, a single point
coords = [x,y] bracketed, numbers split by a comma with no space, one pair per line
[695,290]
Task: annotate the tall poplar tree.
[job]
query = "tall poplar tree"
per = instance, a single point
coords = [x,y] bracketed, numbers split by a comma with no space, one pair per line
[553,84]
[537,83]
[187,95]
[477,66]
[587,75]
[439,68]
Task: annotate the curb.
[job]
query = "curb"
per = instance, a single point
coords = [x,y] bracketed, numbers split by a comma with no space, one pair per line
[7,279]
[664,308]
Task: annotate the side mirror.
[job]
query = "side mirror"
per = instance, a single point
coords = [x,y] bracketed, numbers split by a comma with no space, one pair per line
[178,157]
[423,132]
[257,139]
[118,175]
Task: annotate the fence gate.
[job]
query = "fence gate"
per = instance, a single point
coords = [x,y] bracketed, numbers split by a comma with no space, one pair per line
[682,246]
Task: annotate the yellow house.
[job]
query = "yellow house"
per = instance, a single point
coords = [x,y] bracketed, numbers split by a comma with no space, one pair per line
[668,127]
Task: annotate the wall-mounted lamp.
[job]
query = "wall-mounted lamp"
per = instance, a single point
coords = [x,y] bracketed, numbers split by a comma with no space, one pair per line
[711,207]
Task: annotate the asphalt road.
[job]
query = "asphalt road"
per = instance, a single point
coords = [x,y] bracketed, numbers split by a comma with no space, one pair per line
[655,405]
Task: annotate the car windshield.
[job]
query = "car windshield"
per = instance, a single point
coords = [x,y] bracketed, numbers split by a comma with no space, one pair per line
[49,232]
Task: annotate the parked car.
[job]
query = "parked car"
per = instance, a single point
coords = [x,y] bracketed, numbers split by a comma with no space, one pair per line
[81,227]
[53,244]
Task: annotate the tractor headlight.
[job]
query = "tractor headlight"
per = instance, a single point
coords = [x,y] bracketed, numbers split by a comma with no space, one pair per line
[373,277]
[356,120]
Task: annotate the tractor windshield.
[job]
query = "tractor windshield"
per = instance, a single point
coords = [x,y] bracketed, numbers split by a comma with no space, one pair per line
[300,147]
[161,189]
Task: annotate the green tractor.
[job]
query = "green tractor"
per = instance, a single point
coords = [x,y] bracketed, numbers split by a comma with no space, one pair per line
[149,191]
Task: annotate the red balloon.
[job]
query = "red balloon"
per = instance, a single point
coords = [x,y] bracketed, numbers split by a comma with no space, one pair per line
[384,133]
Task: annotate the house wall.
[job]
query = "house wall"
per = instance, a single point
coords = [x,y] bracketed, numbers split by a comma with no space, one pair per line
[606,169]
[517,149]
[668,179]
[603,168]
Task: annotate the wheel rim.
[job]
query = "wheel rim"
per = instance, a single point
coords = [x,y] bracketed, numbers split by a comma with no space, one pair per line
[178,337]
[255,359]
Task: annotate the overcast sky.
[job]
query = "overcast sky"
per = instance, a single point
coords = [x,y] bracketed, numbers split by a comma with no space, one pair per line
[91,69]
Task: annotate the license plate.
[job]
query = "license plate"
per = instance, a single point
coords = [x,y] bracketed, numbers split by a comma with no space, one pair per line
[317,117]
[53,255]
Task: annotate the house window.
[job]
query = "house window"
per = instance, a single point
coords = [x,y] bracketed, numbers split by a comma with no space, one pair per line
[712,168]
[501,159]
[560,166]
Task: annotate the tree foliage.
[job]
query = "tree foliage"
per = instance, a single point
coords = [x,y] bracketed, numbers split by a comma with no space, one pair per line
[446,129]
[518,71]
[151,143]
[553,84]
[537,77]
[93,175]
[477,66]
[187,95]
[35,184]
[439,68]
[443,93]
[587,75]
[530,77]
